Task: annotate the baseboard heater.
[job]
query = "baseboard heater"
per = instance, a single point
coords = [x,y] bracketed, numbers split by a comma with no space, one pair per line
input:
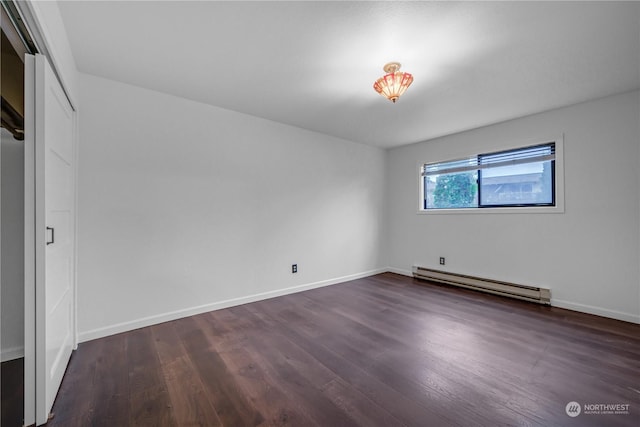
[527,293]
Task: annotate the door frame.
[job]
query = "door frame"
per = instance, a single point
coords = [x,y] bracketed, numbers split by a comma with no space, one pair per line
[29,245]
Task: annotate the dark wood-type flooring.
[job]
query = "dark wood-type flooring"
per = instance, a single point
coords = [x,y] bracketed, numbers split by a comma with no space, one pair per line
[12,392]
[381,351]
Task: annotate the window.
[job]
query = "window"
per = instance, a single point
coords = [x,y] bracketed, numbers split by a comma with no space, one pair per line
[522,177]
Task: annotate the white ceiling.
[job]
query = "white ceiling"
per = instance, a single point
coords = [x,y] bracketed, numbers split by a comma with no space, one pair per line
[313,64]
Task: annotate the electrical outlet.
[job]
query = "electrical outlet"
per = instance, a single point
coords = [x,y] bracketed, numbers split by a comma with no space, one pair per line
[294,268]
[441,260]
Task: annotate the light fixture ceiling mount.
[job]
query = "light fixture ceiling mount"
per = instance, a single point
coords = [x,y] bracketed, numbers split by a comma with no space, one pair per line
[394,83]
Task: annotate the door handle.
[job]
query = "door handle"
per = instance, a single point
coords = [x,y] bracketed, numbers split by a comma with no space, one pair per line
[52,235]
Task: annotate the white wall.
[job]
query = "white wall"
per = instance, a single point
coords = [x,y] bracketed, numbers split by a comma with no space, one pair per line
[185,207]
[587,255]
[12,238]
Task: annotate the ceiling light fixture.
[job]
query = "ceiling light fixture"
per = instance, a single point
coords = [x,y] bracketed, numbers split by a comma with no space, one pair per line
[394,83]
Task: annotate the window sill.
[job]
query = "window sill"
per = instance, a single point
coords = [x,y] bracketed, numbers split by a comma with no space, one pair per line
[514,210]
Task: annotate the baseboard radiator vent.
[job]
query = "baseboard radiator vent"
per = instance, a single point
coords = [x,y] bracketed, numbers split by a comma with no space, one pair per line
[527,293]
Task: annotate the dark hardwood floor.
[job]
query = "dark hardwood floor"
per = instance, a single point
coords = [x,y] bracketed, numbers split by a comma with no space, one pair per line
[12,392]
[381,351]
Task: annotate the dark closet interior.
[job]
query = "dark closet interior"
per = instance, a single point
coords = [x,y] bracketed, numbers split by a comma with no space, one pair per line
[12,224]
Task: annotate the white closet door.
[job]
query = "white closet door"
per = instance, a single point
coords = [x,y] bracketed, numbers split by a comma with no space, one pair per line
[54,236]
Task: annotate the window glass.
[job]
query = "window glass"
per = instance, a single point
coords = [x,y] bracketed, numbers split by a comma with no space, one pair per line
[452,190]
[519,177]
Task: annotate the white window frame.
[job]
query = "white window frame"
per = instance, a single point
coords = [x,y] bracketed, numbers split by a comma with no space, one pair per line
[559,184]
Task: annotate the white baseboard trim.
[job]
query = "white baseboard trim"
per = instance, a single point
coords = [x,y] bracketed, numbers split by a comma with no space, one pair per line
[166,317]
[618,315]
[11,353]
